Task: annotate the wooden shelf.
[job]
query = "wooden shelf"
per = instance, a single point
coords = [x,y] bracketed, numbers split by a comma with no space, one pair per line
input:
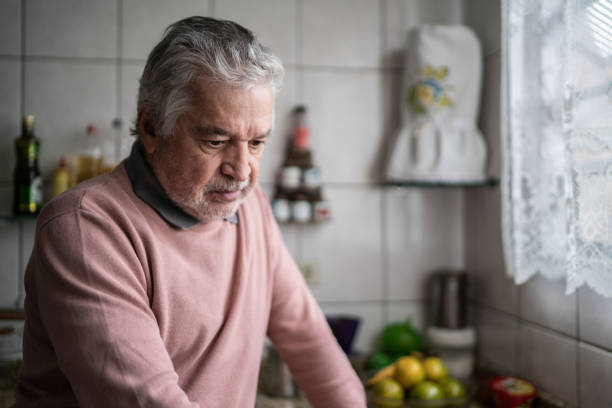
[16,218]
[12,314]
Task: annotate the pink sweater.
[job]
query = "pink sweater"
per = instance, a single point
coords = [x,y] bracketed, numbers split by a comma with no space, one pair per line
[125,310]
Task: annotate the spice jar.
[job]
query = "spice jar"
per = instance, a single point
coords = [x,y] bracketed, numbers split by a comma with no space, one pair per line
[281,208]
[290,177]
[301,209]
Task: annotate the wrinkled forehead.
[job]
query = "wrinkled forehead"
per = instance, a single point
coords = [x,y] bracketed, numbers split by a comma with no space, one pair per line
[214,101]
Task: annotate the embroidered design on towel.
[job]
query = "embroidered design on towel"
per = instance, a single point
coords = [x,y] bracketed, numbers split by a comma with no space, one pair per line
[429,94]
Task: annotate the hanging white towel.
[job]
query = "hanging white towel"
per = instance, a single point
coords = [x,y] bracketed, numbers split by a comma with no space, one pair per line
[438,140]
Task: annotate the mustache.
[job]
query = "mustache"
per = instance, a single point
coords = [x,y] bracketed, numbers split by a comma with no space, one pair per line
[226,185]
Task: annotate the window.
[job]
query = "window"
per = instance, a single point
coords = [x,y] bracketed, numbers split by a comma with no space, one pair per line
[557,141]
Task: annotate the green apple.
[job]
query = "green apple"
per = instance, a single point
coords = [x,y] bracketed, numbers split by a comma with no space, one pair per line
[389,393]
[427,390]
[452,388]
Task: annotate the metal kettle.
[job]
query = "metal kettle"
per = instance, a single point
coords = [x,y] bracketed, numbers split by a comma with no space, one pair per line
[448,299]
[275,379]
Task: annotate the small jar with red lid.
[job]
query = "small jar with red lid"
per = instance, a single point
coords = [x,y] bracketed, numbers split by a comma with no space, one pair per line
[510,392]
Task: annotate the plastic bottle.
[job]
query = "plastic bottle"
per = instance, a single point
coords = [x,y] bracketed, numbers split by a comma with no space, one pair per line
[62,178]
[88,162]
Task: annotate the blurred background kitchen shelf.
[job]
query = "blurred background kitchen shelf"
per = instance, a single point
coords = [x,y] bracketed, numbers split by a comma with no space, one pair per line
[71,63]
[491,182]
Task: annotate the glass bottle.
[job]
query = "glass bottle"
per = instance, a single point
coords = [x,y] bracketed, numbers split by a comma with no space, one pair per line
[27,180]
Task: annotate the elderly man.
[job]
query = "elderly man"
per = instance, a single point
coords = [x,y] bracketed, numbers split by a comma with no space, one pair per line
[156,285]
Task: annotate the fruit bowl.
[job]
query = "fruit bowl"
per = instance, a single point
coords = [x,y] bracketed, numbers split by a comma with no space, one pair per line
[375,401]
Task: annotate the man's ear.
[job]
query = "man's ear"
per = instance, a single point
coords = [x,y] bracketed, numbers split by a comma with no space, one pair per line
[146,132]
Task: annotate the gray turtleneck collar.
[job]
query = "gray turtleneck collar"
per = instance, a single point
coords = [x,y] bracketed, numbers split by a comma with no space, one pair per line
[148,189]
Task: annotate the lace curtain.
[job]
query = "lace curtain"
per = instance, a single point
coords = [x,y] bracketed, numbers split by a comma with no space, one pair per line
[557,141]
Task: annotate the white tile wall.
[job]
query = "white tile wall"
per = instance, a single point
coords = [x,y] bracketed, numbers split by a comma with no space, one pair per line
[391,103]
[424,233]
[10,27]
[490,124]
[64,97]
[497,339]
[484,16]
[346,122]
[413,310]
[401,15]
[549,360]
[274,152]
[343,33]
[276,30]
[544,302]
[9,253]
[348,248]
[71,28]
[595,374]
[6,198]
[144,21]
[594,316]
[484,256]
[130,77]
[292,236]
[292,232]
[28,228]
[10,122]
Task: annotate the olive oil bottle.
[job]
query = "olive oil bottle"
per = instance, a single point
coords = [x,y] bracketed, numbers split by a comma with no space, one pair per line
[27,180]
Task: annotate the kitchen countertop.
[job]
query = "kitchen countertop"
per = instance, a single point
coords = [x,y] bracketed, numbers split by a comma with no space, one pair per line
[263,401]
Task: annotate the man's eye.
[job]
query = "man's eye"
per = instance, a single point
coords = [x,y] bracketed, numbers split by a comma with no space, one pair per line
[216,143]
[257,143]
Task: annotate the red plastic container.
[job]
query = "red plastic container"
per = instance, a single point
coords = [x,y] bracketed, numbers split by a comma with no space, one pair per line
[510,392]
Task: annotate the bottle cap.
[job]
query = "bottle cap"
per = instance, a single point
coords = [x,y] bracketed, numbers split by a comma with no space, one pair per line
[28,124]
[92,129]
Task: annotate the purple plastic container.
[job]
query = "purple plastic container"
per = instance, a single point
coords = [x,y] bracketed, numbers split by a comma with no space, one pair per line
[344,328]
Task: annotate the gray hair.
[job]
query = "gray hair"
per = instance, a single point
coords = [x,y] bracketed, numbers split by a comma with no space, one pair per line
[194,48]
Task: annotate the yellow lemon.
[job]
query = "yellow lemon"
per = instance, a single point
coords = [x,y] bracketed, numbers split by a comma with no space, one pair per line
[409,371]
[435,369]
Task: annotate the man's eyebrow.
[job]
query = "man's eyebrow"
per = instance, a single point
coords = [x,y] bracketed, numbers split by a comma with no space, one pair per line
[216,130]
[213,130]
[265,135]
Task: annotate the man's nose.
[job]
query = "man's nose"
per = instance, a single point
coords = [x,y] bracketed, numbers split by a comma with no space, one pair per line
[237,164]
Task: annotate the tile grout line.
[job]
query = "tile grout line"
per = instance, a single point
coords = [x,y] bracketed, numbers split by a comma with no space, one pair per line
[382,8]
[578,380]
[119,83]
[23,59]
[78,60]
[118,54]
[519,319]
[298,83]
[22,85]
[137,61]
[526,322]
[384,257]
[299,53]
[20,273]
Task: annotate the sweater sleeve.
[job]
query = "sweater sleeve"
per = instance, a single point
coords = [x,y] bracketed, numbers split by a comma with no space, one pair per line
[90,295]
[300,332]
